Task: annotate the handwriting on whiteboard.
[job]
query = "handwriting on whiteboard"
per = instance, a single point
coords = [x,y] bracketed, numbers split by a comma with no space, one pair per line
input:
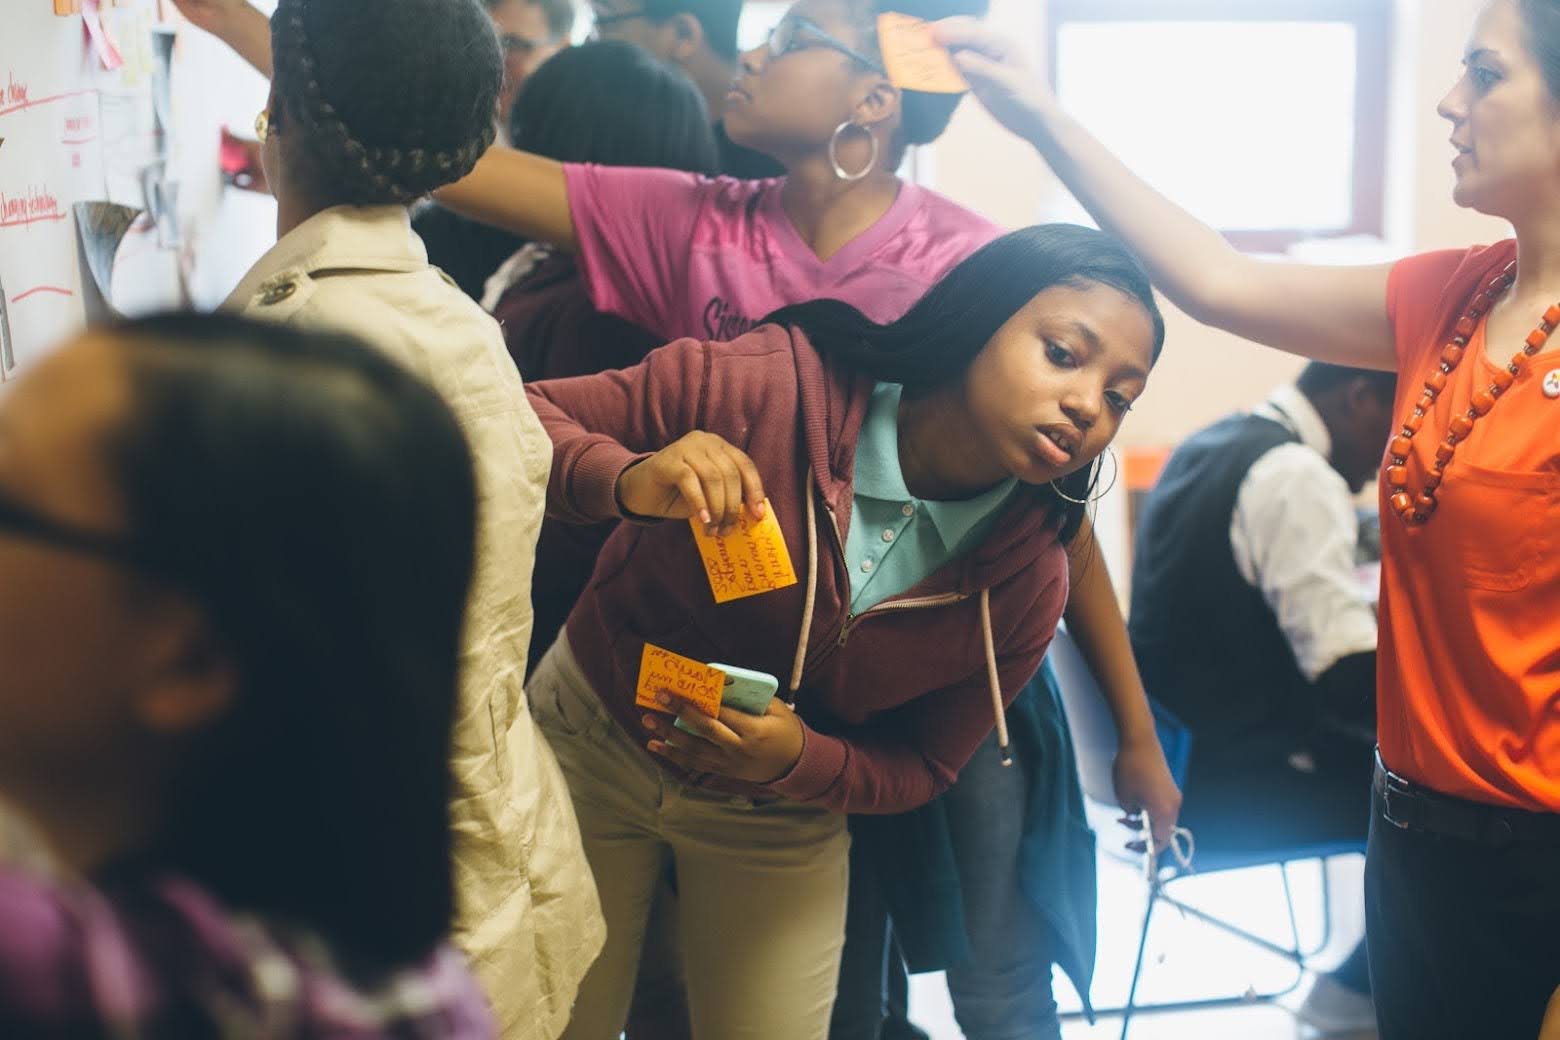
[52,290]
[35,207]
[15,97]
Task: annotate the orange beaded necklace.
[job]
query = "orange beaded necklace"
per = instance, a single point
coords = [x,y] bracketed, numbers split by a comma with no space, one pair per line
[1416,509]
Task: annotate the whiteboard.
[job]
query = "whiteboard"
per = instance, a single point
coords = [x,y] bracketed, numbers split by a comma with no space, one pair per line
[73,129]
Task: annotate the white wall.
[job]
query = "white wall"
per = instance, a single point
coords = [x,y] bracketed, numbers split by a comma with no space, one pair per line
[229,229]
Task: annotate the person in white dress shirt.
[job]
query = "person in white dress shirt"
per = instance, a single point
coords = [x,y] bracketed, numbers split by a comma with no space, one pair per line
[1249,622]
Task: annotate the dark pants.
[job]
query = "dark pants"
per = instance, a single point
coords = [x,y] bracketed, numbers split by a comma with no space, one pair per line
[1004,991]
[1464,937]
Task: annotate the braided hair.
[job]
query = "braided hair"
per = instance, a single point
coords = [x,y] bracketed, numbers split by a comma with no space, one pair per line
[390,99]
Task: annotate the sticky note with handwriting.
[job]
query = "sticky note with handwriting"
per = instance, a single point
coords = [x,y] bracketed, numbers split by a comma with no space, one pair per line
[751,560]
[661,671]
[913,57]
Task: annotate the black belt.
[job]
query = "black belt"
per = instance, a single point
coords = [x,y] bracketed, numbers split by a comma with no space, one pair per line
[1407,805]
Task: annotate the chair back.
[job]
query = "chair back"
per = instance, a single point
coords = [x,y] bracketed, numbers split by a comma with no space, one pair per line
[1094,727]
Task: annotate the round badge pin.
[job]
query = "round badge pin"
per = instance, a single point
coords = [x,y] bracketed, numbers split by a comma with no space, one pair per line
[1552,384]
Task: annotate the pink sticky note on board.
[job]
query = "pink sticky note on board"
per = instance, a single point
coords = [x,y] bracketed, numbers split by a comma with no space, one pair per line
[92,18]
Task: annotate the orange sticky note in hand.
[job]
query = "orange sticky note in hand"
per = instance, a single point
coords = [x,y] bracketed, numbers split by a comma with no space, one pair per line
[661,671]
[913,57]
[751,560]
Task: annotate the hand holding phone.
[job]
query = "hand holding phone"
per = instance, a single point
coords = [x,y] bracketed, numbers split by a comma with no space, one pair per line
[746,690]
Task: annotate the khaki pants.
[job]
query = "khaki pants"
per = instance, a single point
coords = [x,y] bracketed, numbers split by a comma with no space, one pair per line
[761,887]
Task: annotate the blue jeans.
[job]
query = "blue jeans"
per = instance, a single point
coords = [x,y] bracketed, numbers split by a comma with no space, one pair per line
[1004,991]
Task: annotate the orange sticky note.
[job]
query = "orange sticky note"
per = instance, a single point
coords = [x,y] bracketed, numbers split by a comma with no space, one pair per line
[751,560]
[913,57]
[64,7]
[661,671]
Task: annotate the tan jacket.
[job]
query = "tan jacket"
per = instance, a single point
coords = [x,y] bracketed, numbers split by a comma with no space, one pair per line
[528,915]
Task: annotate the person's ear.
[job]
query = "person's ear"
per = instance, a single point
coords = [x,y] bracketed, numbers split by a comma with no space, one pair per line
[687,37]
[273,111]
[879,107]
[190,679]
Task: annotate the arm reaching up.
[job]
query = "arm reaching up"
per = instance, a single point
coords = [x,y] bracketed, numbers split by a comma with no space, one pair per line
[517,191]
[236,23]
[1335,314]
[510,189]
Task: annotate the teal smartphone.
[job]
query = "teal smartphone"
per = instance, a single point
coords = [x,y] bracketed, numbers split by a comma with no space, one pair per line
[746,690]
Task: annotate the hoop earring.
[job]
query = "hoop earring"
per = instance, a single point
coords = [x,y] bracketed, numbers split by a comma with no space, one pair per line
[1089,496]
[834,156]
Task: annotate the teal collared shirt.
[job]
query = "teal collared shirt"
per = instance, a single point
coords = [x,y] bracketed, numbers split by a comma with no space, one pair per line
[896,539]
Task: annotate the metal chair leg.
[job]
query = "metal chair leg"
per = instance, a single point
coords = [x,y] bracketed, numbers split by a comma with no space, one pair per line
[1137,969]
[1160,894]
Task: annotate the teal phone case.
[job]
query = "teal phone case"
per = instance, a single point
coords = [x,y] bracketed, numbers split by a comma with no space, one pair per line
[746,690]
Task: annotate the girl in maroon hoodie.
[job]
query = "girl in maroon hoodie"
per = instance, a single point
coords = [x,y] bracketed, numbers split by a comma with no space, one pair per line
[976,420]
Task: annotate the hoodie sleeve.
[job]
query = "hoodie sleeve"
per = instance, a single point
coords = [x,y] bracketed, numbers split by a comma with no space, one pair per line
[602,424]
[903,759]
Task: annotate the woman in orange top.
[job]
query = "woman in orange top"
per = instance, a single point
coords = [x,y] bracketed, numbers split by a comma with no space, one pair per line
[1463,874]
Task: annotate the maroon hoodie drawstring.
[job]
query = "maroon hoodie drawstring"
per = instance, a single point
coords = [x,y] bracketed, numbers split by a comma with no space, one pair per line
[810,602]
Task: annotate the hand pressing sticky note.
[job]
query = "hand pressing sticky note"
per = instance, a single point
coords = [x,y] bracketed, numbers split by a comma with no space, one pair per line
[913,57]
[661,671]
[751,560]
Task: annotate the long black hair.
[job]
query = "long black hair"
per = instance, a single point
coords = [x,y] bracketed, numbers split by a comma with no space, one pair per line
[932,345]
[1542,18]
[394,98]
[318,503]
[611,102]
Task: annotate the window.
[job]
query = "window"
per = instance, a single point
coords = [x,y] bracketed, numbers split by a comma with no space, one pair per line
[758,17]
[1265,118]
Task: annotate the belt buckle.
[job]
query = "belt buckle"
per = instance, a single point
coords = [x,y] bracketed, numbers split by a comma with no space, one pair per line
[1394,789]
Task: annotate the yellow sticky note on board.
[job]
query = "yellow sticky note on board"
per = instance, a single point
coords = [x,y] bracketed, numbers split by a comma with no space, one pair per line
[661,671]
[749,561]
[913,57]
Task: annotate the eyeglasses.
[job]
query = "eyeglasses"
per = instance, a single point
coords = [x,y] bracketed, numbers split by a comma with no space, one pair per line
[515,44]
[795,33]
[25,522]
[605,20]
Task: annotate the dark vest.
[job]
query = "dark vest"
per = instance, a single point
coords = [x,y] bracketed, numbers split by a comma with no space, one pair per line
[1209,647]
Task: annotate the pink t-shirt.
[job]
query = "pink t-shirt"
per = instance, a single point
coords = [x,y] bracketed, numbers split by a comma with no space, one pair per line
[685,255]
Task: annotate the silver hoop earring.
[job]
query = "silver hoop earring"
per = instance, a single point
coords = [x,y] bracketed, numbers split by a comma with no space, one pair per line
[1090,496]
[834,155]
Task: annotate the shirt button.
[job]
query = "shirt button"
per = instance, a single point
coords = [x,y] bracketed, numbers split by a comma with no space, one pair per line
[908,509]
[866,565]
[888,536]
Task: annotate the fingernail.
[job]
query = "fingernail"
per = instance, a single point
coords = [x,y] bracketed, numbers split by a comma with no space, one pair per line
[662,698]
[704,517]
[758,511]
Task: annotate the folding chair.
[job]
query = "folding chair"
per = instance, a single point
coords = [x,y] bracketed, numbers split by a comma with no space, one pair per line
[1094,744]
